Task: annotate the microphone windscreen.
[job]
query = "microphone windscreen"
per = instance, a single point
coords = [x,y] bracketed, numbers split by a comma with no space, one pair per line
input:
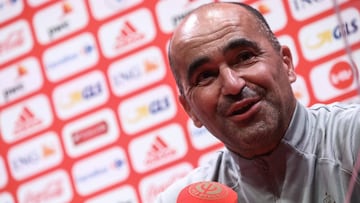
[205,192]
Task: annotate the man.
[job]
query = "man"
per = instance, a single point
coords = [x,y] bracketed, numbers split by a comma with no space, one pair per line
[235,79]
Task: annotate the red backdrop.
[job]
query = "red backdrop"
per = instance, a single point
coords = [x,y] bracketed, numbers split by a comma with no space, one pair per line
[88,107]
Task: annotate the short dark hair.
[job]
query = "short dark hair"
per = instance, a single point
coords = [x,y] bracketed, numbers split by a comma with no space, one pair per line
[259,18]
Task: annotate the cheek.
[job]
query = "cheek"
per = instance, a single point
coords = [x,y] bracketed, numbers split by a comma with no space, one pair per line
[271,74]
[262,75]
[205,99]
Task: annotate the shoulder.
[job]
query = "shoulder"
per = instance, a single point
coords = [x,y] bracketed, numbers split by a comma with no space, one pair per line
[342,114]
[336,108]
[338,129]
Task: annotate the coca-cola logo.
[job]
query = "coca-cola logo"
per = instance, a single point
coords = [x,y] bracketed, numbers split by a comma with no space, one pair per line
[341,75]
[13,40]
[50,191]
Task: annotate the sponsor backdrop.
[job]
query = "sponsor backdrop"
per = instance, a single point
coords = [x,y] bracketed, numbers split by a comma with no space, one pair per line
[89,109]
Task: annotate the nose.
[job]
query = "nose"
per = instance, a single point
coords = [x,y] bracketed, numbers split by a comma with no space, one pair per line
[232,83]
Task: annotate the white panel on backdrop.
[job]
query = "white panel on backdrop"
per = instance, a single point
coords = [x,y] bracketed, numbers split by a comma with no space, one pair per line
[157,148]
[80,95]
[106,8]
[90,132]
[10,10]
[302,10]
[15,40]
[25,118]
[137,71]
[334,78]
[125,194]
[100,171]
[52,187]
[147,109]
[72,56]
[127,33]
[324,37]
[59,20]
[34,156]
[20,79]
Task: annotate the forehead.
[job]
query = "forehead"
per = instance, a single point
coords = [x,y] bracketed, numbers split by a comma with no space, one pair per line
[212,19]
[212,27]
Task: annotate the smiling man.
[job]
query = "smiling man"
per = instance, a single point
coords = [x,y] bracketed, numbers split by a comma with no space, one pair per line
[235,79]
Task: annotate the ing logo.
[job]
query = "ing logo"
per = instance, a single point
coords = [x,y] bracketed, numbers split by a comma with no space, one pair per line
[34,156]
[137,71]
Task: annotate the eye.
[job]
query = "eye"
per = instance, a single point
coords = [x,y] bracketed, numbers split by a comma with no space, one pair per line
[244,57]
[205,77]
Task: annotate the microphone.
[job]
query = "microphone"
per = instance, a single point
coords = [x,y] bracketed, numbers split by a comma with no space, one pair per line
[207,191]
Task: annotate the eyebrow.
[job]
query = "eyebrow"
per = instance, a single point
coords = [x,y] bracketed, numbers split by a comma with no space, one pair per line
[240,43]
[234,44]
[195,65]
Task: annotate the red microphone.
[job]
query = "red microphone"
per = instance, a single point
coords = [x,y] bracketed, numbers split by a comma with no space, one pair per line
[207,191]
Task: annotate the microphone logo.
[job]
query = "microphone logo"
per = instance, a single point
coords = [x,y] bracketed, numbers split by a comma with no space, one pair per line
[208,191]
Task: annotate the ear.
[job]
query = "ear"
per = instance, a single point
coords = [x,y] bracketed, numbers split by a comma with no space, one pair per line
[288,63]
[189,111]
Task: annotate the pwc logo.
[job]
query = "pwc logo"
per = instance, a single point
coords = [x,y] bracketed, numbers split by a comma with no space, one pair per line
[158,148]
[19,80]
[325,36]
[80,95]
[302,10]
[169,18]
[147,109]
[70,57]
[123,194]
[274,13]
[200,138]
[106,8]
[154,184]
[34,156]
[15,40]
[52,187]
[136,71]
[127,33]
[59,20]
[90,133]
[25,118]
[100,171]
[4,175]
[333,78]
[10,9]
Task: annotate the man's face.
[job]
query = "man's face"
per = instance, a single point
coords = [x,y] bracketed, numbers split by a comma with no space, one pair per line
[235,83]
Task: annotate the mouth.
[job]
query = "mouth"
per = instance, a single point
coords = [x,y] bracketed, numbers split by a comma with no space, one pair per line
[244,109]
